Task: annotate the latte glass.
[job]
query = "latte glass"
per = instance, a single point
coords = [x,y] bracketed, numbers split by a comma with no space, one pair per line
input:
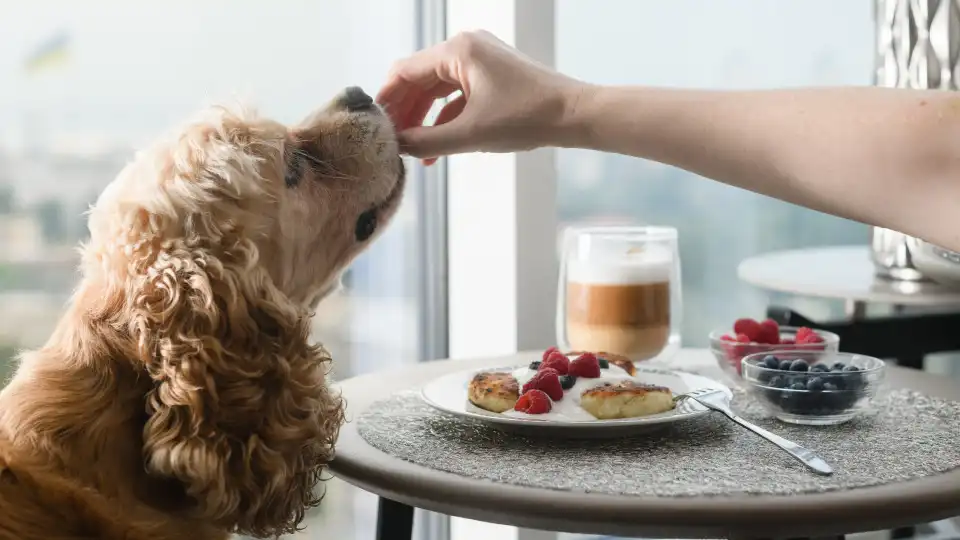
[619,291]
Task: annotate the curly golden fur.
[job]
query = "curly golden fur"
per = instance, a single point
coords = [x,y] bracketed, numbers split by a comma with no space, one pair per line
[180,395]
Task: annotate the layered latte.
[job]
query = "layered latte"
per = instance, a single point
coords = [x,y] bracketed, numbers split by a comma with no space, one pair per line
[620,304]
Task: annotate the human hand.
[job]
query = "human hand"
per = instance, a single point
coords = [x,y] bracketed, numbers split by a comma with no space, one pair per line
[508,101]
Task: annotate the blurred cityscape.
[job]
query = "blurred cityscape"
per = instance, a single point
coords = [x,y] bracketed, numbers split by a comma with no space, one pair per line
[43,197]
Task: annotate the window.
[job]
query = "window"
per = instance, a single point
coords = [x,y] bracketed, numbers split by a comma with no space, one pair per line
[117,75]
[724,45]
[682,43]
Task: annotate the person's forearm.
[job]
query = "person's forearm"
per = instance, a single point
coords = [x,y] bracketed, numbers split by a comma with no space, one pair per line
[880,156]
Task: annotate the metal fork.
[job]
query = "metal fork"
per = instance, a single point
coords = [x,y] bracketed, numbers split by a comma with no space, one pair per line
[718,400]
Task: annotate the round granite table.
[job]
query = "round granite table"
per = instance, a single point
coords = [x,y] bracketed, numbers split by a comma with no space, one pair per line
[402,485]
[841,273]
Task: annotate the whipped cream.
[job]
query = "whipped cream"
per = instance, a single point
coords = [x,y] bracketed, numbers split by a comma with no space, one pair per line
[568,409]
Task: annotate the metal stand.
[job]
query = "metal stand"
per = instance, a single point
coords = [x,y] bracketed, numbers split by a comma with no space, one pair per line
[394,520]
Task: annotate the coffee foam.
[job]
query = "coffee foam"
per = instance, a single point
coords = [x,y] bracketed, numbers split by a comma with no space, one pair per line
[649,266]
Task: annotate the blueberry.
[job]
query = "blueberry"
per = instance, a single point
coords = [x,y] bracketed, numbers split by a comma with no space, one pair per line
[770,362]
[785,365]
[604,363]
[567,381]
[794,402]
[819,368]
[535,365]
[799,365]
[830,387]
[778,381]
[852,378]
[815,384]
[838,366]
[836,379]
[839,401]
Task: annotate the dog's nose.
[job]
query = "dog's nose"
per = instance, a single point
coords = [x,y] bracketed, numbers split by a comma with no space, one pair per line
[355,99]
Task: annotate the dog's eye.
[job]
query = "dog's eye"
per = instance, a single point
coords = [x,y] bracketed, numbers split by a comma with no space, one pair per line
[366,225]
[294,170]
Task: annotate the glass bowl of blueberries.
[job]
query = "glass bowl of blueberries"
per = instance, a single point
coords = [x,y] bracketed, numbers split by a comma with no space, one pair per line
[818,388]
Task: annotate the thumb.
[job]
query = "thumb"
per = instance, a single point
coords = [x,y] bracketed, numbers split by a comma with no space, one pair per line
[452,133]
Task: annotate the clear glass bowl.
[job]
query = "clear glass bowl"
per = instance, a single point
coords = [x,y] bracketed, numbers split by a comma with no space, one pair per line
[813,387]
[729,354]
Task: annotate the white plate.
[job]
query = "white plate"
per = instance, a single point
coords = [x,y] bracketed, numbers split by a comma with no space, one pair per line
[448,393]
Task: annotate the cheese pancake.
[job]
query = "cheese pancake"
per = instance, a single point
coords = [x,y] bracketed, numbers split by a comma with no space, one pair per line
[626,399]
[495,391]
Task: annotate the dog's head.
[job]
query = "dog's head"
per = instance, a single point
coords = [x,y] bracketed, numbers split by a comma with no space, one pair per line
[212,248]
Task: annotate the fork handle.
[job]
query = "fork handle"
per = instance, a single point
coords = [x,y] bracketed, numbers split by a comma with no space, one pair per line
[804,455]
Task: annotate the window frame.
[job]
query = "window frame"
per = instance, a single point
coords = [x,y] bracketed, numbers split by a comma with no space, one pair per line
[497,249]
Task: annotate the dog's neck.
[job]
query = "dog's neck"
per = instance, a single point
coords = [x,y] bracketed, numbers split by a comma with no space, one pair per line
[76,406]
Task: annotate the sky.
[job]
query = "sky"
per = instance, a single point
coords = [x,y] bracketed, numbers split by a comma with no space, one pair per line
[138,67]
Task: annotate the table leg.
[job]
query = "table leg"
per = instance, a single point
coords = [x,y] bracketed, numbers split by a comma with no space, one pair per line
[394,520]
[903,532]
[855,310]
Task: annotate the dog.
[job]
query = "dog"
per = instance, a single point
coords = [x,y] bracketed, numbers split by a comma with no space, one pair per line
[179,396]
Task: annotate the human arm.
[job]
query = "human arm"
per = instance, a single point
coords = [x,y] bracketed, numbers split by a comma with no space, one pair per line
[885,157]
[880,156]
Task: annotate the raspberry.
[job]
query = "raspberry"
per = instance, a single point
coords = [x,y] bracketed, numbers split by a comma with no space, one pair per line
[747,327]
[727,337]
[787,342]
[558,361]
[807,335]
[803,332]
[547,380]
[769,332]
[586,366]
[534,402]
[548,352]
[737,350]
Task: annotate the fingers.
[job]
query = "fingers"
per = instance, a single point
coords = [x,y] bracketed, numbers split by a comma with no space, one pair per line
[424,69]
[414,85]
[413,110]
[450,134]
[451,110]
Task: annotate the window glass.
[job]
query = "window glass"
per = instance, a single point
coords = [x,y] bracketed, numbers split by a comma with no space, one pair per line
[82,84]
[731,44]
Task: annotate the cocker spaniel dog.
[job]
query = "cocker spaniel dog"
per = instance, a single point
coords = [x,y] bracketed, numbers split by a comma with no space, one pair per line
[179,396]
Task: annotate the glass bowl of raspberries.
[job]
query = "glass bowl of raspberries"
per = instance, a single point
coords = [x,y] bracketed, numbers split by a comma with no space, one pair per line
[813,387]
[749,336]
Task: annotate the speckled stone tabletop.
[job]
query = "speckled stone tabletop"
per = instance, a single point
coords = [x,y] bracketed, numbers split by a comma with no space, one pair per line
[907,435]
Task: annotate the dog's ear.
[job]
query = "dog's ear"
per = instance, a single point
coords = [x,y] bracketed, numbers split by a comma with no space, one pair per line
[239,411]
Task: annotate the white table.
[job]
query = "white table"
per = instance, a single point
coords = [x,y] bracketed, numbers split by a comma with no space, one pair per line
[841,273]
